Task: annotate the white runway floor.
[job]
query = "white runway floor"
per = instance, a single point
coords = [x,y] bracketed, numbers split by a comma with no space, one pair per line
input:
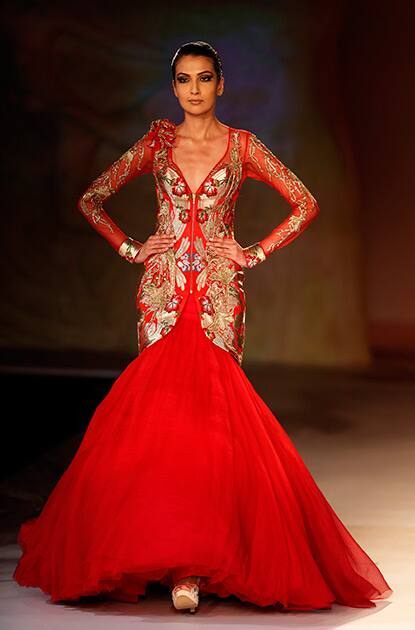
[366,471]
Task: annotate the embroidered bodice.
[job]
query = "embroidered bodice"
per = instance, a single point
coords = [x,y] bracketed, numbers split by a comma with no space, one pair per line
[188,266]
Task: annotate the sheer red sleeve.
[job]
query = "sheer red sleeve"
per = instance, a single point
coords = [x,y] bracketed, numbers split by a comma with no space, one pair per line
[137,160]
[261,164]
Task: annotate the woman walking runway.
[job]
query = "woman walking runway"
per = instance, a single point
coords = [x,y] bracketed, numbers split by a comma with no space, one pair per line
[184,476]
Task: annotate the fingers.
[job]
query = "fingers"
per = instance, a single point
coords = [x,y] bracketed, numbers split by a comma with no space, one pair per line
[227,247]
[162,238]
[159,243]
[220,244]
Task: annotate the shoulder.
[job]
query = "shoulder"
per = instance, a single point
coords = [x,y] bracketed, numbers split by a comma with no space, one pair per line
[160,133]
[248,138]
[243,133]
[162,124]
[255,142]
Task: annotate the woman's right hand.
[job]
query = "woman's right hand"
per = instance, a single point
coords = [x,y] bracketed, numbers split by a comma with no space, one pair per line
[155,244]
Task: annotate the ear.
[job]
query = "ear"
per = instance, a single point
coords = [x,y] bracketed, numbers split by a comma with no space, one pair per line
[174,87]
[221,87]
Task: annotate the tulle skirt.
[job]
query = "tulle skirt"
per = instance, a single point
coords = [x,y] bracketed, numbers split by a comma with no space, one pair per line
[184,470]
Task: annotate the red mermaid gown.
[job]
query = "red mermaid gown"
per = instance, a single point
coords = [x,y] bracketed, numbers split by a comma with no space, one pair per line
[184,470]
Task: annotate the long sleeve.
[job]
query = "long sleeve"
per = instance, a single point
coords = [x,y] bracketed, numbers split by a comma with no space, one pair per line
[261,164]
[137,160]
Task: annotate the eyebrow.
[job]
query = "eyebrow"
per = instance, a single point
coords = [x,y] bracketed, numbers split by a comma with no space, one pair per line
[203,71]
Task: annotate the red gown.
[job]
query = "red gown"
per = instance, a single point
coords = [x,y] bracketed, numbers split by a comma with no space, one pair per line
[184,470]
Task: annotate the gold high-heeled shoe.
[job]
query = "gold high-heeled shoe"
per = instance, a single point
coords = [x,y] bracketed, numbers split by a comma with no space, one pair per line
[185,595]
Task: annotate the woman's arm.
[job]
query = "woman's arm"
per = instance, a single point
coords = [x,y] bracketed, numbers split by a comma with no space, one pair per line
[260,163]
[137,160]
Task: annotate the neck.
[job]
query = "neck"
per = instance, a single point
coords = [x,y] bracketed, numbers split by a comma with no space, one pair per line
[200,127]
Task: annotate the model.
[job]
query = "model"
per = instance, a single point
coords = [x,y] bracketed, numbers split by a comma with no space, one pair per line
[184,476]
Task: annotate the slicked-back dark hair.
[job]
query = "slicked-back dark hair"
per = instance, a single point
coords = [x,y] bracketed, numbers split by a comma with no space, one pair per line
[198,48]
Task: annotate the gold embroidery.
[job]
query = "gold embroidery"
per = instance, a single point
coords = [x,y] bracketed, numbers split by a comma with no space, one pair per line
[218,280]
[109,182]
[302,201]
[254,254]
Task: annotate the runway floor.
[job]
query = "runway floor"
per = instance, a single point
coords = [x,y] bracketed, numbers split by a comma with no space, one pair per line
[356,433]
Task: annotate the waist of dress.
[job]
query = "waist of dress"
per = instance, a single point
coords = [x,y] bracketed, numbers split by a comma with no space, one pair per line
[190,308]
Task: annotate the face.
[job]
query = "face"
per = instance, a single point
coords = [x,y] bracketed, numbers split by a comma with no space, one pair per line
[196,80]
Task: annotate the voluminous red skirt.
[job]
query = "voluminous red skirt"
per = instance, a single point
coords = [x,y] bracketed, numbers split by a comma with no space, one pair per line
[184,470]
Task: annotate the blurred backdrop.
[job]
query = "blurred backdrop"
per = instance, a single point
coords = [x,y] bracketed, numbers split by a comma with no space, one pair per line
[327,86]
[330,345]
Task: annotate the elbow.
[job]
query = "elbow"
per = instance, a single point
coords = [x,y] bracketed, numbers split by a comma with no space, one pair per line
[82,203]
[315,209]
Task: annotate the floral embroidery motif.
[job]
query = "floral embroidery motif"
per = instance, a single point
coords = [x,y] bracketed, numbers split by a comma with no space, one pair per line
[254,254]
[202,215]
[206,305]
[189,265]
[173,305]
[209,188]
[197,262]
[184,214]
[185,264]
[179,187]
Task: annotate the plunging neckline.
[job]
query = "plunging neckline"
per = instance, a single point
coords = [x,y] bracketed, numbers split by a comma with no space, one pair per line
[170,151]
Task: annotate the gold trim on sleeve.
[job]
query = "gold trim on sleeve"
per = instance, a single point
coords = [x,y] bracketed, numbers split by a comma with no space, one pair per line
[129,249]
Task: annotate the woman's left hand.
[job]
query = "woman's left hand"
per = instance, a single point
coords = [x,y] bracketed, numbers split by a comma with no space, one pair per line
[228,247]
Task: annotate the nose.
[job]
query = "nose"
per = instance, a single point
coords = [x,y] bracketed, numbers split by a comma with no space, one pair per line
[194,89]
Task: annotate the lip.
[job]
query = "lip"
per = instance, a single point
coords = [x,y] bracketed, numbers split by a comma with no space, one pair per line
[195,101]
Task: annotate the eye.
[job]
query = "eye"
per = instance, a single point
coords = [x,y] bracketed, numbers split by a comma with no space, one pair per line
[207,77]
[181,80]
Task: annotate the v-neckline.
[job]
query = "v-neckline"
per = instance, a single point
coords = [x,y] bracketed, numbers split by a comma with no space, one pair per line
[170,150]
